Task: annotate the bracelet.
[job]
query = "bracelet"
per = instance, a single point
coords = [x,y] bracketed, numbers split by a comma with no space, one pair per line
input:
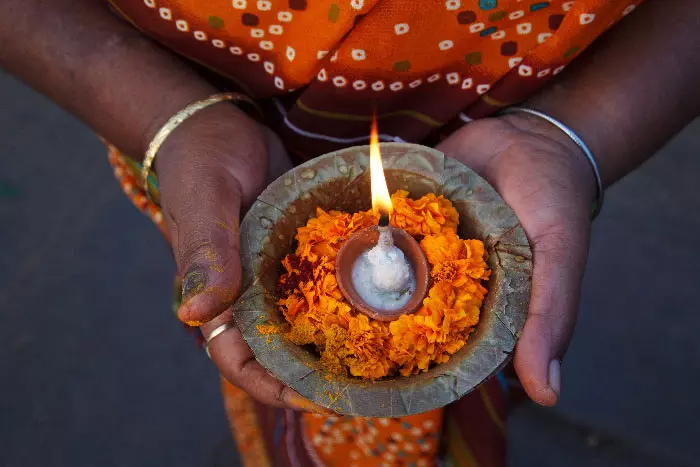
[217,332]
[600,193]
[173,123]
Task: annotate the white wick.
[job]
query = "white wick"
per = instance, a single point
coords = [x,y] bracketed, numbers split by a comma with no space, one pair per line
[382,276]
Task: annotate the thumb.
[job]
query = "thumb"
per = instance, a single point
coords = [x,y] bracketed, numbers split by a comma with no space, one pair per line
[559,257]
[202,213]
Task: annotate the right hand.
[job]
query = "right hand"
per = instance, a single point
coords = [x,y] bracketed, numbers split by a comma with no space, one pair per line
[209,169]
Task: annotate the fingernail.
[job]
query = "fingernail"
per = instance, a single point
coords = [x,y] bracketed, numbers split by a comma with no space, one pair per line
[555,376]
[301,403]
[194,282]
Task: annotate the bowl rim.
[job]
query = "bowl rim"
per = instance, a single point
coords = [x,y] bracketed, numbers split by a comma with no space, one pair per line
[503,313]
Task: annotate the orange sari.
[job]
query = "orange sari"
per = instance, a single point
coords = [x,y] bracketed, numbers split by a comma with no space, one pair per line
[318,70]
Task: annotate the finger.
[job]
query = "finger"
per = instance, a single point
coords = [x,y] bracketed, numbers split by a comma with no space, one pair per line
[236,362]
[559,256]
[201,208]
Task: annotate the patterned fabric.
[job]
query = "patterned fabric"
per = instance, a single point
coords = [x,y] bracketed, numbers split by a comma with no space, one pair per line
[320,70]
[469,433]
[426,67]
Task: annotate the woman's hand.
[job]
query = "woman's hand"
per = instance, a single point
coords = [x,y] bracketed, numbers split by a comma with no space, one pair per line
[547,181]
[210,169]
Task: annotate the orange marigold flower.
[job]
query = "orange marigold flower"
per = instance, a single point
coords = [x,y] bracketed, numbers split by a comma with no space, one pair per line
[437,331]
[325,233]
[425,216]
[455,260]
[367,345]
[292,305]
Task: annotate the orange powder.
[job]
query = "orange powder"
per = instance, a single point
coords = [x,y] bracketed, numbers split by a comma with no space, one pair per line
[267,329]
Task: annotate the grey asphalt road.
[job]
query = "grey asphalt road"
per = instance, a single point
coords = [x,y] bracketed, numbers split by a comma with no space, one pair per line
[95,370]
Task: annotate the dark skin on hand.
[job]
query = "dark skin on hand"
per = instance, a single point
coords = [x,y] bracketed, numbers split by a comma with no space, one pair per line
[625,96]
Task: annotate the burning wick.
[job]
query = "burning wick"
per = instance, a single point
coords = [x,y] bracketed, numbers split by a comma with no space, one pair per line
[382,276]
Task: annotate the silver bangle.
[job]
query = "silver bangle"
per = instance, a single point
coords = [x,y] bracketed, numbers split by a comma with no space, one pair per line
[600,193]
[217,332]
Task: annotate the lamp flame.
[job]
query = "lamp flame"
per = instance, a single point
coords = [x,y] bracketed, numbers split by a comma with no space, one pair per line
[381,201]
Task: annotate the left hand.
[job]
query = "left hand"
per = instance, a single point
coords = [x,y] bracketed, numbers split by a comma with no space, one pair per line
[546,180]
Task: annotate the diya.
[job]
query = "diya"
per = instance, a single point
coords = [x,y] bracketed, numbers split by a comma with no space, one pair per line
[384,276]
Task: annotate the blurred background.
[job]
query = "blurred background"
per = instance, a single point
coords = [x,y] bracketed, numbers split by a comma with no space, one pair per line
[96,371]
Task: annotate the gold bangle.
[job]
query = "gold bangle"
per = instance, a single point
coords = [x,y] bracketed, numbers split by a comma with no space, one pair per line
[173,123]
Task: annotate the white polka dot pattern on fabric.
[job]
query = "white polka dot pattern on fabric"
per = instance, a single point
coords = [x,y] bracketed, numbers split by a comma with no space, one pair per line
[401,29]
[629,10]
[284,16]
[264,5]
[378,86]
[291,53]
[452,5]
[266,45]
[321,54]
[558,70]
[236,50]
[335,56]
[543,73]
[257,33]
[516,14]
[482,88]
[524,28]
[415,84]
[525,70]
[218,43]
[542,38]
[182,25]
[200,35]
[514,61]
[166,14]
[586,18]
[358,54]
[476,27]
[276,30]
[269,67]
[253,57]
[359,85]
[467,83]
[150,3]
[396,86]
[452,78]
[498,35]
[240,4]
[357,4]
[340,81]
[279,84]
[446,45]
[322,75]
[567,6]
[434,78]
